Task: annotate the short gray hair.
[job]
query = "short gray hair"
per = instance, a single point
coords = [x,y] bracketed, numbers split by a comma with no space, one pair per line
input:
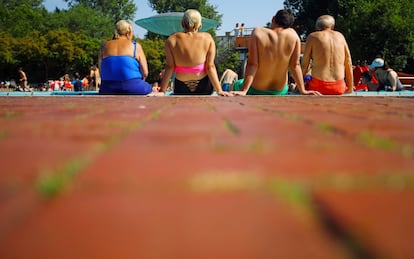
[324,22]
[122,27]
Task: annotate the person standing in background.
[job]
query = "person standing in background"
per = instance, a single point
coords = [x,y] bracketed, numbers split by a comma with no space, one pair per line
[94,78]
[77,83]
[85,82]
[23,80]
[236,30]
[242,29]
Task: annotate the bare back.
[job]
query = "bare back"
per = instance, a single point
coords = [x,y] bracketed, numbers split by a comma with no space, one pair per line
[229,77]
[119,47]
[331,59]
[190,49]
[125,47]
[271,53]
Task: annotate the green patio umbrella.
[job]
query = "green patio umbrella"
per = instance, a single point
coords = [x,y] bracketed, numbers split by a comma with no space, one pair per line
[168,23]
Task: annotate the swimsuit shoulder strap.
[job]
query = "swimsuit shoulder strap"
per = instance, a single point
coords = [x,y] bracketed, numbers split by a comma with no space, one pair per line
[135,47]
[102,46]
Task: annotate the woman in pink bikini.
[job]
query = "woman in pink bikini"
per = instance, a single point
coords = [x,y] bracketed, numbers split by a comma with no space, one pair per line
[190,54]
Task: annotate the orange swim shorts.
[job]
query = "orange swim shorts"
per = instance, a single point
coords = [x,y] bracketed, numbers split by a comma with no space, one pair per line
[325,87]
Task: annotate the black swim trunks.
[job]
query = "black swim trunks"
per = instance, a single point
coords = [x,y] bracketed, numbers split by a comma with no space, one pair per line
[193,87]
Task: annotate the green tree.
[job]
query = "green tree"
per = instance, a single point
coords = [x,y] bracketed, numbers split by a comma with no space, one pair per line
[11,4]
[74,54]
[47,44]
[116,9]
[307,11]
[154,52]
[7,56]
[84,19]
[372,28]
[22,19]
[229,61]
[379,28]
[32,51]
[6,45]
[18,19]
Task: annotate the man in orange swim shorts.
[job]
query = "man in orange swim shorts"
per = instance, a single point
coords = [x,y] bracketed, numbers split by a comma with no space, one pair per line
[331,59]
[327,87]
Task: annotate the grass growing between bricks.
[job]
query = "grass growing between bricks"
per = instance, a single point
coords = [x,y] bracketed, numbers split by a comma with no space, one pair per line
[4,134]
[52,182]
[231,127]
[294,193]
[300,196]
[9,114]
[366,138]
[369,139]
[392,181]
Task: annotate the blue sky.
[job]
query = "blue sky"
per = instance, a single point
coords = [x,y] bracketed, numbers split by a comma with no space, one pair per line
[252,13]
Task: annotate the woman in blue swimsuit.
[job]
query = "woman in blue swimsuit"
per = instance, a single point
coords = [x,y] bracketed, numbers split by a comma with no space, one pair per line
[123,64]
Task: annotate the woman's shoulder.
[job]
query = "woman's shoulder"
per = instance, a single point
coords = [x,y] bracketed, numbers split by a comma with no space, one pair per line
[176,35]
[116,43]
[392,72]
[182,36]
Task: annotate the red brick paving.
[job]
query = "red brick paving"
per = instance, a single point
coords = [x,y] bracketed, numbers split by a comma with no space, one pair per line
[206,177]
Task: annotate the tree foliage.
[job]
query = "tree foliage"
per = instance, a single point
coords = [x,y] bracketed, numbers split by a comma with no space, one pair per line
[6,45]
[75,54]
[307,11]
[115,9]
[372,27]
[49,45]
[22,19]
[379,28]
[11,4]
[231,61]
[84,19]
[154,52]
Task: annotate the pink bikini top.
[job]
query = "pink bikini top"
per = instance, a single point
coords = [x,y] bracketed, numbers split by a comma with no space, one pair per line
[190,70]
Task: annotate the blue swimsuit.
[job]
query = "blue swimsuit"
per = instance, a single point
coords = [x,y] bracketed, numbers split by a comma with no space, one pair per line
[122,75]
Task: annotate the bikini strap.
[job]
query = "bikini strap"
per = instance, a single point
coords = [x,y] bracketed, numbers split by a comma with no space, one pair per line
[135,47]
[101,50]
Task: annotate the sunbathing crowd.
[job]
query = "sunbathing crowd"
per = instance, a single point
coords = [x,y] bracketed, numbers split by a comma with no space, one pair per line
[274,57]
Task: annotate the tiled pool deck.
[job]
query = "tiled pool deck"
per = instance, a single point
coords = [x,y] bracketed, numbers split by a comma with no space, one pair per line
[206,177]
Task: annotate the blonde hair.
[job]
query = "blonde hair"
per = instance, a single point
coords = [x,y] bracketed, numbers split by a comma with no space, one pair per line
[324,22]
[122,27]
[191,20]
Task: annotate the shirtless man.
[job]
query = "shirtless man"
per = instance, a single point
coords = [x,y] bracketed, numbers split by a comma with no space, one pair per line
[271,53]
[227,79]
[331,59]
[23,80]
